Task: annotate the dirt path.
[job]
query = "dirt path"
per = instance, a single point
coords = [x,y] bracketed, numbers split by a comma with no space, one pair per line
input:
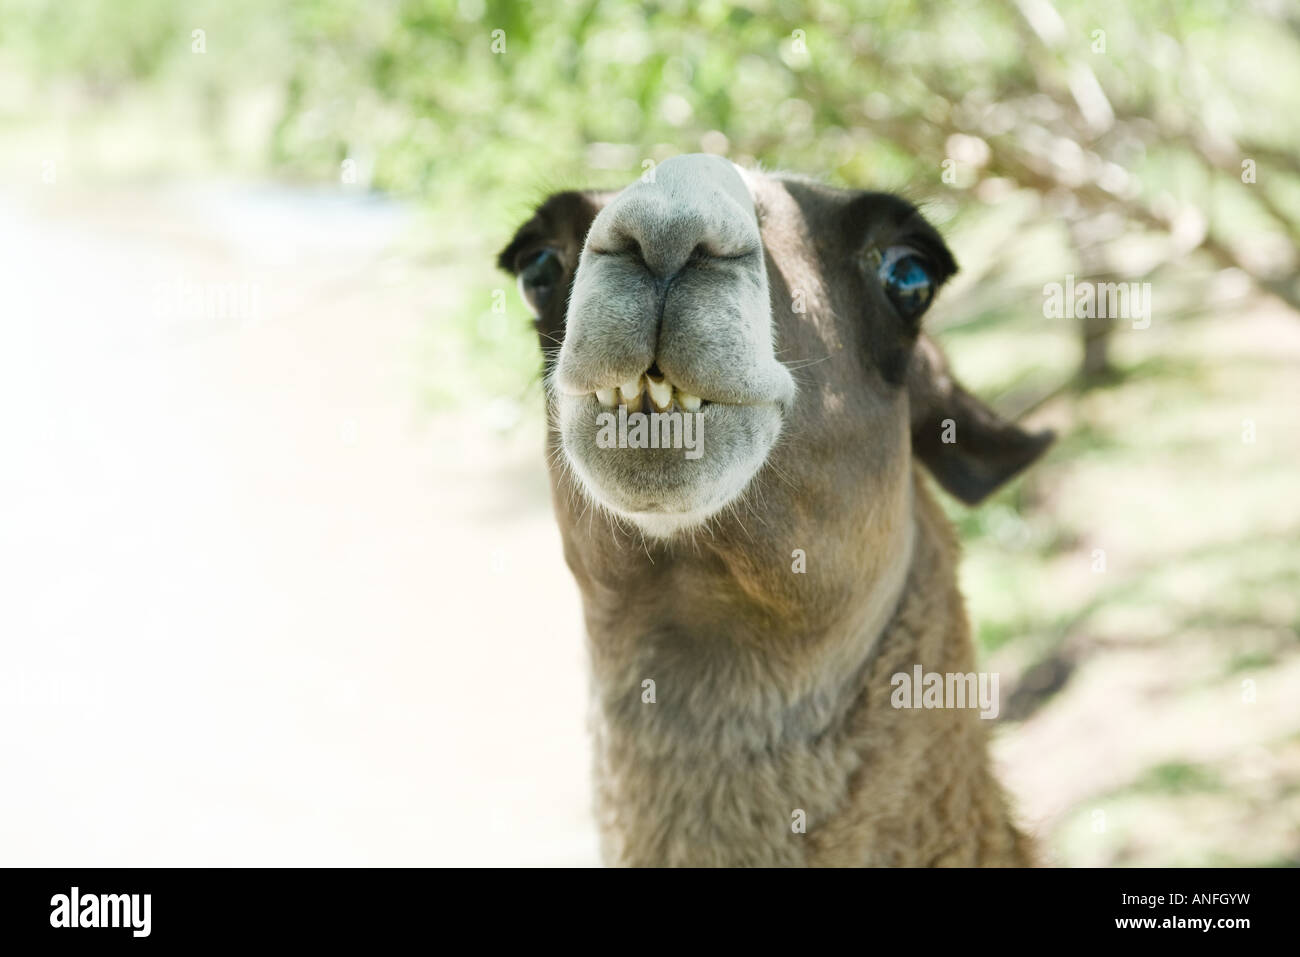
[266,611]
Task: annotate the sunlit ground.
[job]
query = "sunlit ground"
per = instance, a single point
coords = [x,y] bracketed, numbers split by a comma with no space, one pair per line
[1174,737]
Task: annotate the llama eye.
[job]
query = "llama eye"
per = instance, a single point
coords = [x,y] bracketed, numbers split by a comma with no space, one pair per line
[906,277]
[539,278]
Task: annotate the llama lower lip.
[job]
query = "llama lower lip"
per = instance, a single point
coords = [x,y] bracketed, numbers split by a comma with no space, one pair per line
[683,465]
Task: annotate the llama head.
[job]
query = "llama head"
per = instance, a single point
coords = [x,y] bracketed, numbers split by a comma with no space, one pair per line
[783,314]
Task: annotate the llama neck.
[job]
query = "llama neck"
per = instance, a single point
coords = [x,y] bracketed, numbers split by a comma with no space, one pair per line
[720,651]
[693,723]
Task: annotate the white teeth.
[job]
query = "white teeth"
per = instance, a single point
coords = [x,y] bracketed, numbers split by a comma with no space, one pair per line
[630,391]
[661,393]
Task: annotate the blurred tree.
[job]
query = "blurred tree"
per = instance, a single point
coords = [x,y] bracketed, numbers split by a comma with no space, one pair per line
[1170,122]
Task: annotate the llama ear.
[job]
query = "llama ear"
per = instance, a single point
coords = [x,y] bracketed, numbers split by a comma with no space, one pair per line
[969,449]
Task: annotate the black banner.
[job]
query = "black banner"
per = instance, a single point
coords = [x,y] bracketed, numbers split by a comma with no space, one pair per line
[140,908]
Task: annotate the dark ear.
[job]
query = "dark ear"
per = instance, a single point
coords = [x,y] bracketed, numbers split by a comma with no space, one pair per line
[562,220]
[560,224]
[967,446]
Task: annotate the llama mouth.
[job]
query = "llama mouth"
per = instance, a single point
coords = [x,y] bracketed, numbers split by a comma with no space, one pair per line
[666,487]
[651,391]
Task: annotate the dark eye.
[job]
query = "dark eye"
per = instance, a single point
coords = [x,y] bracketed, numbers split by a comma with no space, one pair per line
[907,278]
[539,278]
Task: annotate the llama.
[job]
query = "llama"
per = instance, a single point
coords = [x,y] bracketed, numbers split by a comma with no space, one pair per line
[748,609]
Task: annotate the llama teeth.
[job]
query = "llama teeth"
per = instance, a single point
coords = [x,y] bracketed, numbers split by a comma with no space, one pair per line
[607,397]
[661,393]
[630,391]
[690,403]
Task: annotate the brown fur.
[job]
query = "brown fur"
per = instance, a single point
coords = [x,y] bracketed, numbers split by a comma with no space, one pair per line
[772,689]
[879,786]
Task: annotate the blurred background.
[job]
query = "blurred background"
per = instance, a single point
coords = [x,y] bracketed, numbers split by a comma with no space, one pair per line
[279,582]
